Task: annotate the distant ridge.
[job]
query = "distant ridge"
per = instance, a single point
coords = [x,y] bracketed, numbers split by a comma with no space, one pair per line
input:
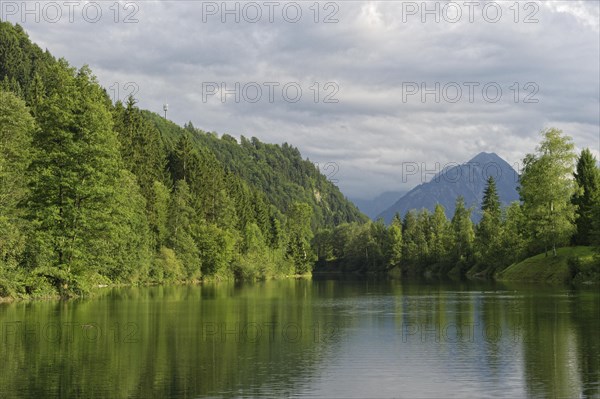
[468,180]
[373,207]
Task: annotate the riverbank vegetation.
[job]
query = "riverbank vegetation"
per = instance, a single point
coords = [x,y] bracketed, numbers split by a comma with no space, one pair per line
[559,207]
[95,192]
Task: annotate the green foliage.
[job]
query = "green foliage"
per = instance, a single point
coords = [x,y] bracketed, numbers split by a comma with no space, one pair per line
[587,198]
[278,171]
[570,264]
[488,240]
[463,234]
[393,250]
[142,150]
[546,189]
[73,174]
[181,227]
[300,235]
[217,248]
[16,129]
[410,229]
[94,193]
[514,235]
[167,267]
[128,252]
[441,239]
[158,214]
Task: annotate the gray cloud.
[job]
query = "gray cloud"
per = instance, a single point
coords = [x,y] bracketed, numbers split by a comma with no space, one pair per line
[369,54]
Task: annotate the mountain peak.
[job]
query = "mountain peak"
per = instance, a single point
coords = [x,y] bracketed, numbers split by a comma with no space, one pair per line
[485,157]
[466,180]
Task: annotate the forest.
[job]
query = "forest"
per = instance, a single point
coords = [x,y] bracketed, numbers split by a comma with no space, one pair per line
[95,193]
[559,207]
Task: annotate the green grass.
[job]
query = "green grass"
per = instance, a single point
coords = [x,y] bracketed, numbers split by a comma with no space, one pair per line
[571,263]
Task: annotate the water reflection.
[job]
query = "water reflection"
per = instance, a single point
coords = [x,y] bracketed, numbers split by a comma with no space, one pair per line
[320,338]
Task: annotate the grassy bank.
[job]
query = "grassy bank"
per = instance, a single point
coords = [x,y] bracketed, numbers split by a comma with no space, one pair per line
[571,265]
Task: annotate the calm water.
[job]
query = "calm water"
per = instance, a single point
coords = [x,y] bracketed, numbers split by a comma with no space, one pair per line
[342,339]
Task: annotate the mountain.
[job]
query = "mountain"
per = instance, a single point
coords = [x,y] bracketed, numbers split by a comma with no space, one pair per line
[468,180]
[374,206]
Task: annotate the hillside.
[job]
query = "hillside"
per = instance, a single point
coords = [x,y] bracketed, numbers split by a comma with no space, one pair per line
[572,264]
[467,180]
[279,171]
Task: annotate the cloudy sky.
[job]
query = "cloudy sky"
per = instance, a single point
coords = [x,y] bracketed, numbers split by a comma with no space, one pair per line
[367,86]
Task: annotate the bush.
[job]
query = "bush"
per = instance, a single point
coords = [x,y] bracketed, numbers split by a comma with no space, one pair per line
[167,267]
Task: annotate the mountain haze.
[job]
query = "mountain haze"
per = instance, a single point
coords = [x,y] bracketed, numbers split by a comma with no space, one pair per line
[374,206]
[468,180]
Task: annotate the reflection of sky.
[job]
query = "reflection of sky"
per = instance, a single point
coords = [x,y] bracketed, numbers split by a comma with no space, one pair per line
[373,359]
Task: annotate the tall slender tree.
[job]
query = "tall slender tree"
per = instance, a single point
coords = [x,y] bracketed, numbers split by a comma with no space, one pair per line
[463,234]
[488,232]
[587,198]
[16,130]
[73,176]
[546,189]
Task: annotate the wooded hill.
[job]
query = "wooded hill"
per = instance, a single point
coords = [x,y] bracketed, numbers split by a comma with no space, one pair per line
[96,193]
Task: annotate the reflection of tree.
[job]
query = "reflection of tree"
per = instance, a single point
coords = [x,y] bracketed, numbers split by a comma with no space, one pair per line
[549,345]
[546,337]
[172,355]
[556,352]
[585,315]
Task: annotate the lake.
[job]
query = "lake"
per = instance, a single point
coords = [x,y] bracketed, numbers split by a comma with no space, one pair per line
[306,338]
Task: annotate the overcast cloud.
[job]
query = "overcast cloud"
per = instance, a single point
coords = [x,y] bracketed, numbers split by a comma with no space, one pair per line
[370,57]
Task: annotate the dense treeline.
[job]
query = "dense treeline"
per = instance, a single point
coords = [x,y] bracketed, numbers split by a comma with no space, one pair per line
[560,205]
[96,193]
[278,171]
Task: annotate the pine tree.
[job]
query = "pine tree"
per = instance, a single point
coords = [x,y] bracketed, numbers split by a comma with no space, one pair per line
[158,214]
[410,252]
[128,249]
[587,197]
[489,230]
[423,236]
[393,251]
[141,147]
[182,217]
[463,235]
[440,234]
[514,235]
[298,247]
